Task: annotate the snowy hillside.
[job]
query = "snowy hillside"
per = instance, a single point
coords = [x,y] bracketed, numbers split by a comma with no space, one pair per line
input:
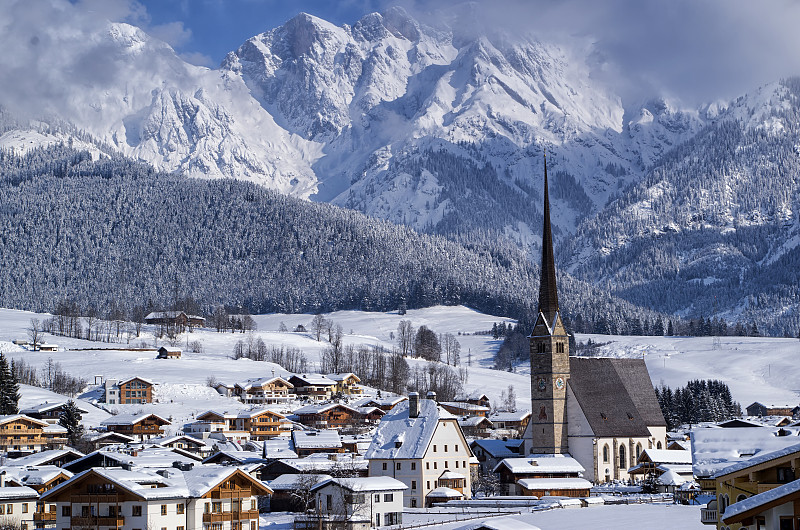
[756,369]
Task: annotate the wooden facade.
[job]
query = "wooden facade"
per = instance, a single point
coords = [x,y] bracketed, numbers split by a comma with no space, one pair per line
[135,391]
[144,428]
[20,434]
[334,416]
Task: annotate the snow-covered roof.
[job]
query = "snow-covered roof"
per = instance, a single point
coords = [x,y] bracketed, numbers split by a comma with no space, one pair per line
[117,435]
[170,483]
[498,448]
[319,409]
[146,457]
[131,419]
[380,401]
[714,449]
[128,380]
[322,462]
[667,456]
[451,475]
[460,405]
[34,475]
[274,449]
[169,314]
[541,464]
[364,484]
[54,428]
[258,383]
[341,377]
[8,493]
[13,417]
[555,483]
[316,439]
[399,436]
[474,421]
[671,478]
[43,457]
[760,459]
[237,456]
[736,511]
[445,493]
[510,416]
[291,481]
[314,379]
[41,408]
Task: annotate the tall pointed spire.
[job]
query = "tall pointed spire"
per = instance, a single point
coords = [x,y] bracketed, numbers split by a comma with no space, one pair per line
[548,294]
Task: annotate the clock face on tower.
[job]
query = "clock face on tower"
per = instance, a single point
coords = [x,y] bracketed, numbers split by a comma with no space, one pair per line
[560,383]
[542,383]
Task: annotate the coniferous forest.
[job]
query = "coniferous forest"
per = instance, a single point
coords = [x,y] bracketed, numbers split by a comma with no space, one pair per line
[112,235]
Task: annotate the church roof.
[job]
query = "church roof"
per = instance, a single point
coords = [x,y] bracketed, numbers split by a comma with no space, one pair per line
[615,395]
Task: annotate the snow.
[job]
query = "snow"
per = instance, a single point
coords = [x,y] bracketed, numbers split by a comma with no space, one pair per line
[542,464]
[412,434]
[714,449]
[365,484]
[555,483]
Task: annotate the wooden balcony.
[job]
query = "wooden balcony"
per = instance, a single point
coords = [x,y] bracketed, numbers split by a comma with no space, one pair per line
[223,493]
[95,521]
[708,516]
[94,498]
[44,517]
[221,517]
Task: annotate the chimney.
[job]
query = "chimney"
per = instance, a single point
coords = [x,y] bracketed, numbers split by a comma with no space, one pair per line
[432,396]
[413,405]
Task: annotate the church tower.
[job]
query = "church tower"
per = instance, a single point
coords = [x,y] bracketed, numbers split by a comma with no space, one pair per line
[549,343]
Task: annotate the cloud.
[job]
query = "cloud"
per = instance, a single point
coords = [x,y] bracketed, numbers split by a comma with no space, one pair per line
[172,33]
[198,59]
[684,49]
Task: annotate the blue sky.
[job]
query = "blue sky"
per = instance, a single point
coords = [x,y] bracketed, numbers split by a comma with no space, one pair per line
[205,30]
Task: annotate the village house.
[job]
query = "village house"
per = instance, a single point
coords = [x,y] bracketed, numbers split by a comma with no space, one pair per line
[241,426]
[384,403]
[200,497]
[110,438]
[314,387]
[167,352]
[742,498]
[358,503]
[513,422]
[475,398]
[347,384]
[142,426]
[139,456]
[261,391]
[759,409]
[40,479]
[543,475]
[490,452]
[655,462]
[310,442]
[21,434]
[131,391]
[51,457]
[292,492]
[48,347]
[458,408]
[327,416]
[186,443]
[50,412]
[370,415]
[475,426]
[17,505]
[415,443]
[178,320]
[336,464]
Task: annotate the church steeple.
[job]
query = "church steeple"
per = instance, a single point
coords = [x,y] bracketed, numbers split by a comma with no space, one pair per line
[548,294]
[549,343]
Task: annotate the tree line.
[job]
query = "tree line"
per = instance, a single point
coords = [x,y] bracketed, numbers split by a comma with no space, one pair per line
[699,401]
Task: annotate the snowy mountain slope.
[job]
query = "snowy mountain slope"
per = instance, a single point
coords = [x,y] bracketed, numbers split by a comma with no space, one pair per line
[387,93]
[715,222]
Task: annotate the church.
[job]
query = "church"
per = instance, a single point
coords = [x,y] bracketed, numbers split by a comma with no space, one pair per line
[601,411]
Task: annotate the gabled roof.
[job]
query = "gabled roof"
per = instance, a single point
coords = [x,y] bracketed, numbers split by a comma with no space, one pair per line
[316,439]
[44,457]
[319,409]
[565,483]
[666,456]
[292,481]
[342,377]
[475,421]
[8,493]
[498,448]
[715,449]
[34,475]
[258,383]
[379,402]
[14,417]
[41,408]
[615,395]
[510,416]
[236,456]
[461,405]
[761,458]
[147,457]
[128,380]
[312,380]
[133,419]
[364,484]
[555,463]
[399,436]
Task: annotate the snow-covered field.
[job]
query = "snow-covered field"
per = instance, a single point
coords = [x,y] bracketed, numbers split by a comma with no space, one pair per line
[755,368]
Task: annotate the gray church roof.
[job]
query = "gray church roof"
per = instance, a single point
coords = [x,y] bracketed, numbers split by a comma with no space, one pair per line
[616,395]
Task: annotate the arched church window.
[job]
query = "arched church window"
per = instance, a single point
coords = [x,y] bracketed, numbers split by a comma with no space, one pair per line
[638,451]
[622,460]
[540,348]
[658,445]
[741,497]
[605,454]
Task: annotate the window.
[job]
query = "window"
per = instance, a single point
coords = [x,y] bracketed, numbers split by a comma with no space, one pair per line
[427,465]
[216,507]
[605,454]
[413,484]
[455,448]
[24,507]
[540,348]
[179,508]
[445,448]
[456,464]
[9,509]
[163,509]
[329,502]
[445,464]
[179,528]
[434,448]
[377,497]
[377,519]
[413,503]
[785,475]
[622,460]
[464,464]
[252,504]
[253,525]
[384,466]
[435,465]
[388,497]
[137,510]
[66,511]
[413,466]
[428,484]
[397,466]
